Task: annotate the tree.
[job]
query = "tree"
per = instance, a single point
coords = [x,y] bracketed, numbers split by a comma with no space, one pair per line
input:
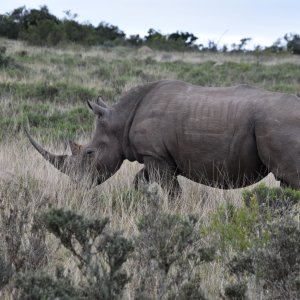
[35,16]
[293,43]
[243,43]
[187,38]
[107,32]
[12,24]
[135,40]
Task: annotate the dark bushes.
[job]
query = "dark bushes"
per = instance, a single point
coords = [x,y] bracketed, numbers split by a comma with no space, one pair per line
[293,43]
[265,238]
[167,258]
[170,252]
[275,266]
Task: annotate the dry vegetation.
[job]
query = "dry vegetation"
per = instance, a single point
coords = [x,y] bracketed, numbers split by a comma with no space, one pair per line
[72,75]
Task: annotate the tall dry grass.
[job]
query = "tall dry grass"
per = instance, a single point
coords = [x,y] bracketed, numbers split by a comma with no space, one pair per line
[50,188]
[36,185]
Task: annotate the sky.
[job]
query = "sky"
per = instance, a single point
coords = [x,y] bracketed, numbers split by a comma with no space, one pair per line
[223,21]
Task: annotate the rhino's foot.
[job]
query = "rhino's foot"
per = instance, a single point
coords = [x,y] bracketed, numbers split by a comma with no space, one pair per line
[174,190]
[141,178]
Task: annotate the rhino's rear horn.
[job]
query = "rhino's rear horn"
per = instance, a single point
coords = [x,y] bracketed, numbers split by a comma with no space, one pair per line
[101,102]
[58,161]
[97,109]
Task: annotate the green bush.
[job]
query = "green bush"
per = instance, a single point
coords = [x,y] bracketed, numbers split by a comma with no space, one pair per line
[243,228]
[236,291]
[101,254]
[238,229]
[5,60]
[45,33]
[23,246]
[293,43]
[39,285]
[169,253]
[6,270]
[274,201]
[274,265]
[266,242]
[177,41]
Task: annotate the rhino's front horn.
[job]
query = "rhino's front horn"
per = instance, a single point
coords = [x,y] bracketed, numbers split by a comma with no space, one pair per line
[58,161]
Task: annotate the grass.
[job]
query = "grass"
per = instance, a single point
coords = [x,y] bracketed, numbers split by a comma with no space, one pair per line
[47,89]
[66,78]
[45,187]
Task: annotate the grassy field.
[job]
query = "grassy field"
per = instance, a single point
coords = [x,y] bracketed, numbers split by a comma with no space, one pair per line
[46,89]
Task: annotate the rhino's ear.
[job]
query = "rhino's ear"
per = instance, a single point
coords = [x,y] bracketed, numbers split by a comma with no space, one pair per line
[97,109]
[75,148]
[101,102]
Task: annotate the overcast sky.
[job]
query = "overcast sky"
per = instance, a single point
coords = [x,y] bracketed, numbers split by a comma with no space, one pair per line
[224,21]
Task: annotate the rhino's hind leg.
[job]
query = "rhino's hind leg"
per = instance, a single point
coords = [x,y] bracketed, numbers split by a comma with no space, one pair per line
[291,183]
[281,155]
[286,172]
[282,183]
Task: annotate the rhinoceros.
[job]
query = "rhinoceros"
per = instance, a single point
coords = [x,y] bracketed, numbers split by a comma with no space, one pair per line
[225,137]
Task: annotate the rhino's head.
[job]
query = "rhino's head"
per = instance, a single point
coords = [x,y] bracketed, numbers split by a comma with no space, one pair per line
[97,160]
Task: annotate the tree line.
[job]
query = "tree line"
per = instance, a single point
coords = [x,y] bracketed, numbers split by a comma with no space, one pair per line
[40,27]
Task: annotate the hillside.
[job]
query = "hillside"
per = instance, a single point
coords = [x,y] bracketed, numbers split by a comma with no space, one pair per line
[202,236]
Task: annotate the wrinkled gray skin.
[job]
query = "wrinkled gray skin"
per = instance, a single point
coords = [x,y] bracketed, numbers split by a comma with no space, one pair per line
[226,137]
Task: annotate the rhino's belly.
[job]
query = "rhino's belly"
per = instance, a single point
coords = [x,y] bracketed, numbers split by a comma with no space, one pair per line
[222,178]
[224,162]
[224,175]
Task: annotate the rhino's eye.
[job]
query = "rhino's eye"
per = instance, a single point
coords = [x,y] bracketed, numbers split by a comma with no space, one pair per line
[90,151]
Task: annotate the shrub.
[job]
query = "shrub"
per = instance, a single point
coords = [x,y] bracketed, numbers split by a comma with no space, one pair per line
[45,33]
[23,246]
[100,254]
[170,251]
[293,43]
[237,228]
[240,229]
[236,291]
[107,32]
[39,285]
[271,260]
[5,60]
[275,265]
[275,201]
[8,28]
[6,270]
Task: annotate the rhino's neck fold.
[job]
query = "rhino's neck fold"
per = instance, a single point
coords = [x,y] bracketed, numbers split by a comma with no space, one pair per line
[127,109]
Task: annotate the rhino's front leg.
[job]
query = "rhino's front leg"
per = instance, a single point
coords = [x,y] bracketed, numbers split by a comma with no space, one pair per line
[160,172]
[141,177]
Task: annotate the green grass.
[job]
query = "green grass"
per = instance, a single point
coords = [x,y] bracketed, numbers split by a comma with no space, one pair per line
[46,89]
[54,84]
[57,93]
